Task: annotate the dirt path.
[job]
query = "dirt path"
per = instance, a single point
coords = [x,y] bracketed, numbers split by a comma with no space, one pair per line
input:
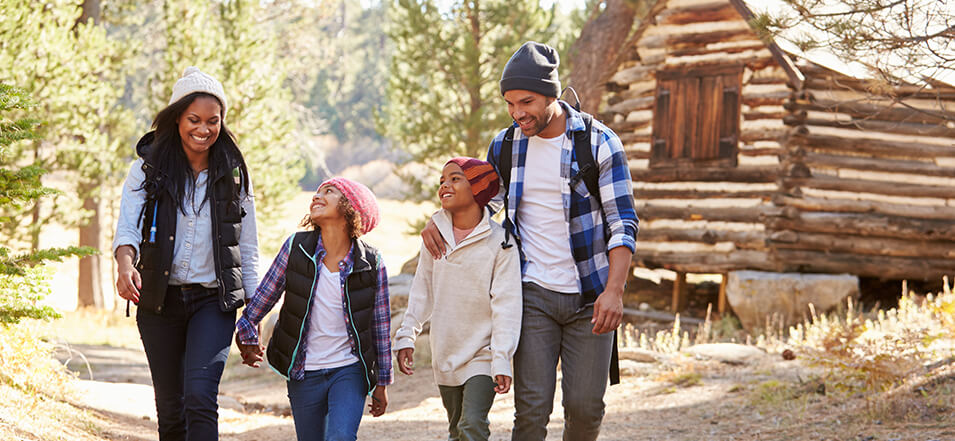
[715,402]
[255,406]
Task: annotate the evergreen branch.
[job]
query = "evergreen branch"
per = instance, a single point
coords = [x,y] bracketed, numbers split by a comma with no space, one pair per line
[16,265]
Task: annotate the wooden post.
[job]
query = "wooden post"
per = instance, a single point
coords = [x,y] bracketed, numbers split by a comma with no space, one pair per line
[721,301]
[679,293]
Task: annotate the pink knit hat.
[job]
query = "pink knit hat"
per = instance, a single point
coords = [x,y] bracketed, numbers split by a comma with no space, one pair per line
[360,197]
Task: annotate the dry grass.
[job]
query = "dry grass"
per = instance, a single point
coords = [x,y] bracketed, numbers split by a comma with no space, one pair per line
[32,388]
[881,350]
[878,374]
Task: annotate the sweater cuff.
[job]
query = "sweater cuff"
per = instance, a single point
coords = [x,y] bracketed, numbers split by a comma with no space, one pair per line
[500,366]
[402,343]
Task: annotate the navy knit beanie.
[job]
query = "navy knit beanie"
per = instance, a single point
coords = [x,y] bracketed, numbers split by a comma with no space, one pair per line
[533,67]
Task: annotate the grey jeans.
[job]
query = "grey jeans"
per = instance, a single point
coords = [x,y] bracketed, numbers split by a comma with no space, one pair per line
[554,328]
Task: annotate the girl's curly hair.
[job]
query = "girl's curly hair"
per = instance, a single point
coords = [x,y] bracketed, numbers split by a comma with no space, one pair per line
[352,219]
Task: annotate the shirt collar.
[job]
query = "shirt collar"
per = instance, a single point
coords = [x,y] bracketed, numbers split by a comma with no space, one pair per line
[347,262]
[575,122]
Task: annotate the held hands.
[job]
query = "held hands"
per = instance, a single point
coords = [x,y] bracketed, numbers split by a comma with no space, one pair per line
[406,361]
[503,384]
[608,310]
[379,401]
[251,354]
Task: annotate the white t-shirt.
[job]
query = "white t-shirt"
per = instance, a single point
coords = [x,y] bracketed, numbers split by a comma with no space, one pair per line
[328,345]
[544,235]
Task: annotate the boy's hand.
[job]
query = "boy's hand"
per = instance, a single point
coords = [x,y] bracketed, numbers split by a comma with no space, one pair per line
[433,241]
[503,384]
[406,361]
[379,401]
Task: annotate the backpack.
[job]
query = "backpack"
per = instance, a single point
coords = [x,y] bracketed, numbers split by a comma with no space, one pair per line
[587,170]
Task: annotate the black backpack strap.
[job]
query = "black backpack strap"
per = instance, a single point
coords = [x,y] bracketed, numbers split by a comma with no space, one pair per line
[504,170]
[587,165]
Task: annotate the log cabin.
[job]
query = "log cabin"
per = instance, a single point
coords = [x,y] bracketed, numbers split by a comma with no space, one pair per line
[750,155]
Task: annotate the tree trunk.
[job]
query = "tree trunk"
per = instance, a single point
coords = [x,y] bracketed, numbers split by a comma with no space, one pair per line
[90,287]
[89,284]
[594,57]
[91,10]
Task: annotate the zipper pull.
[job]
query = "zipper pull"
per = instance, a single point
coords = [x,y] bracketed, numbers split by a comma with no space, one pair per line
[152,229]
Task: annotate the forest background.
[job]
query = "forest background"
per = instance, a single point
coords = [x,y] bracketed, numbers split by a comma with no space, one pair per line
[380,91]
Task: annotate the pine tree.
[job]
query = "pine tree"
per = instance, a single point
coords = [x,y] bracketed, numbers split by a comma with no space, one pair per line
[443,94]
[75,72]
[23,278]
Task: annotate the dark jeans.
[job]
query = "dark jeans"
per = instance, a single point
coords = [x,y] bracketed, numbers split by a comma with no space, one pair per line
[467,406]
[187,348]
[327,404]
[555,328]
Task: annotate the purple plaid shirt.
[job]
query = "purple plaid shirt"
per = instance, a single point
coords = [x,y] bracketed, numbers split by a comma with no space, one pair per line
[273,286]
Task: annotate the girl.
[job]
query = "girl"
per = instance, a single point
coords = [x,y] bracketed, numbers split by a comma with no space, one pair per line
[331,341]
[186,250]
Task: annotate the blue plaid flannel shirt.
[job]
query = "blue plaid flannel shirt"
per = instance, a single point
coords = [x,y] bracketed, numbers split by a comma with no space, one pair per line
[273,286]
[585,220]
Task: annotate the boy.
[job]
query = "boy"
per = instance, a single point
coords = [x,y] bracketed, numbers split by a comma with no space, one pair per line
[472,297]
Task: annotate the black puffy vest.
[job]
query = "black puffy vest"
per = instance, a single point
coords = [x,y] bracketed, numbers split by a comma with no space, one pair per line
[156,249]
[360,288]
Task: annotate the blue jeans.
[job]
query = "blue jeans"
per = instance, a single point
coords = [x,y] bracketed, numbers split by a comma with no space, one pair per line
[328,403]
[554,328]
[186,347]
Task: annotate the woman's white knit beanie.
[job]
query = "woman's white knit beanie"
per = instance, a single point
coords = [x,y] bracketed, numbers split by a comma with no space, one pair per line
[193,80]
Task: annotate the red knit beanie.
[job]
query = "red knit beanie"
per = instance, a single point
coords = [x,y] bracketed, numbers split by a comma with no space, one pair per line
[361,199]
[482,177]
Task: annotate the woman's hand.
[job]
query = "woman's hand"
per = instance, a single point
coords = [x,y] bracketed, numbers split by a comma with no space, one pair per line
[128,280]
[406,361]
[379,401]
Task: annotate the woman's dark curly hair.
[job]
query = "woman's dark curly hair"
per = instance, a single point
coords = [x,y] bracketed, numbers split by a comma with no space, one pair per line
[352,219]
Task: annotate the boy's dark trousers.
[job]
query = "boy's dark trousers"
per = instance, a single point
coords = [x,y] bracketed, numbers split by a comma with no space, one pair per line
[467,406]
[186,348]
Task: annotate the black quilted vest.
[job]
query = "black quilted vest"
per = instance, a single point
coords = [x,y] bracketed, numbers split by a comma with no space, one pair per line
[360,288]
[156,249]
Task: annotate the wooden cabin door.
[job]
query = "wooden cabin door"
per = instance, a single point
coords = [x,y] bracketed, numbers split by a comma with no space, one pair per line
[696,117]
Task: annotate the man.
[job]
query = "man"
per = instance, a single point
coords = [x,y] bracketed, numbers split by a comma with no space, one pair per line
[575,247]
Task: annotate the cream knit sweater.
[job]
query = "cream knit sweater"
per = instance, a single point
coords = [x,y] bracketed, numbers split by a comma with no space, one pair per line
[473,298]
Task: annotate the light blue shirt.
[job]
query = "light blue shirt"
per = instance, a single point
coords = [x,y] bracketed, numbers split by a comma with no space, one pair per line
[192,258]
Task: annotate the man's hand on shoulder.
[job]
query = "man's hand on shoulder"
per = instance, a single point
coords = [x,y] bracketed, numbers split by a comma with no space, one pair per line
[432,239]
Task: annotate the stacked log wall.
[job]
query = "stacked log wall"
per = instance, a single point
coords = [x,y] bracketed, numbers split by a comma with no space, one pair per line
[698,219]
[868,182]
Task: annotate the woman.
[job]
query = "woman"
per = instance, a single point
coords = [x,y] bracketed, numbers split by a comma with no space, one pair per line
[186,252]
[332,339]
